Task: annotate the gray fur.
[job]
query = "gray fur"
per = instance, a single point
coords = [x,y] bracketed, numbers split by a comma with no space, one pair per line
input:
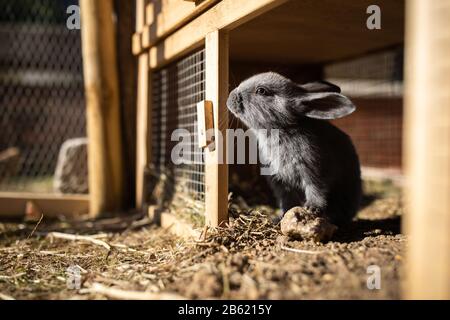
[319,167]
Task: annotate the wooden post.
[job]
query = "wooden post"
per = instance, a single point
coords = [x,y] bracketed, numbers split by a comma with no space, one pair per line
[102,103]
[216,169]
[143,112]
[427,142]
[127,66]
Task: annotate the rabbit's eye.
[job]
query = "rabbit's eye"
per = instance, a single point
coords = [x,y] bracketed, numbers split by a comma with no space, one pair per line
[262,91]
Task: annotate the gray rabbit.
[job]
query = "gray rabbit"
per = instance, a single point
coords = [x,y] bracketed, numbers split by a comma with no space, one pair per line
[318,165]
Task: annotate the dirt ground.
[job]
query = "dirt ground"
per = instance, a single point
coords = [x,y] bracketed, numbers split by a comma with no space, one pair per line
[127,257]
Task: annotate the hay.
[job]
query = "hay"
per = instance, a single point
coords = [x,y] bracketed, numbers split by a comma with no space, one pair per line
[247,259]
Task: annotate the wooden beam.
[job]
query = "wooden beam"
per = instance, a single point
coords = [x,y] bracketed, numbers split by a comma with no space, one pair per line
[427,141]
[143,128]
[143,113]
[165,16]
[13,204]
[140,14]
[136,45]
[216,91]
[102,103]
[127,66]
[226,15]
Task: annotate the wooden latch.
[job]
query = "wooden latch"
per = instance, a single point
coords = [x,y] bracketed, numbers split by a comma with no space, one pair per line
[205,123]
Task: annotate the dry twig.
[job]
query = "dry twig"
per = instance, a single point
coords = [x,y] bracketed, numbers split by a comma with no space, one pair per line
[13,276]
[114,293]
[5,297]
[75,237]
[35,227]
[301,250]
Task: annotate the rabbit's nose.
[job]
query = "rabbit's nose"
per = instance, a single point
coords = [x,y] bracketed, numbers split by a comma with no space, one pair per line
[234,100]
[239,98]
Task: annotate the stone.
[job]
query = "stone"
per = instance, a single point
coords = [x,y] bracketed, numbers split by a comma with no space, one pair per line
[71,174]
[9,162]
[302,224]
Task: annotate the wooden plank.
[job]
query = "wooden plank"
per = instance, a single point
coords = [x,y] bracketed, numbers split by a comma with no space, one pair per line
[143,128]
[136,41]
[165,16]
[145,39]
[127,66]
[297,29]
[12,204]
[277,30]
[216,91]
[427,141]
[140,15]
[143,108]
[225,15]
[136,45]
[149,14]
[102,104]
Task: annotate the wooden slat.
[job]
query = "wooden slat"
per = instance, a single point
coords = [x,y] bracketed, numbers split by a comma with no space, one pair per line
[427,140]
[136,45]
[140,14]
[225,15]
[12,205]
[149,14]
[137,40]
[216,169]
[102,105]
[143,127]
[127,66]
[165,16]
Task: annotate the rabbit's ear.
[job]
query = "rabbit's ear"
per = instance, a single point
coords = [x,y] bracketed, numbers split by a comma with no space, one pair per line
[326,105]
[320,86]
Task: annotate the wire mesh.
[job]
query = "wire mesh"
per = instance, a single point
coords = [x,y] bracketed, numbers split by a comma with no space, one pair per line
[41,92]
[176,90]
[374,82]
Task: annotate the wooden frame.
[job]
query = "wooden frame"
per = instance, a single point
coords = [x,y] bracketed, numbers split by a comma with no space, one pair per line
[13,204]
[224,16]
[216,91]
[427,156]
[162,17]
[105,161]
[143,113]
[211,29]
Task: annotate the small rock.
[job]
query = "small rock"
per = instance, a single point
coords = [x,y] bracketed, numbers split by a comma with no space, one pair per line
[71,174]
[301,224]
[9,162]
